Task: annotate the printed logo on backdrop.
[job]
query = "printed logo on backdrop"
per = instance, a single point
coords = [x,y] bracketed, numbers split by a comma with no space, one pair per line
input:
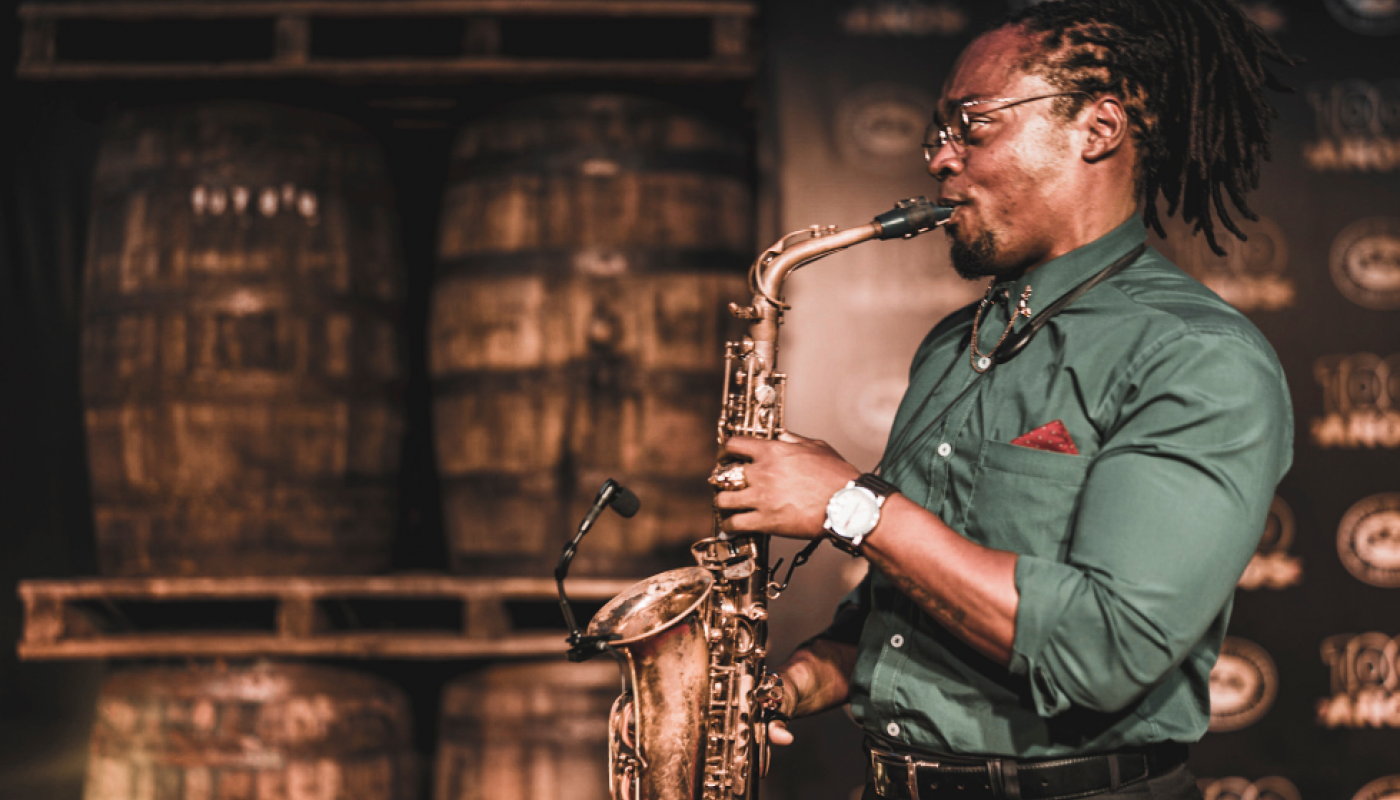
[1358,126]
[1266,15]
[1243,685]
[1251,276]
[904,18]
[1368,540]
[882,126]
[1271,566]
[868,413]
[1360,401]
[1365,687]
[1233,788]
[1387,788]
[1366,262]
[1371,17]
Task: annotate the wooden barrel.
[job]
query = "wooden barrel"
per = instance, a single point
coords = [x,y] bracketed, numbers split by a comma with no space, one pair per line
[531,731]
[264,732]
[589,248]
[240,354]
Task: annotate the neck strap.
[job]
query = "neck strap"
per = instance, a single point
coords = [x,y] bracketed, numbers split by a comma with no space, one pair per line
[1017,341]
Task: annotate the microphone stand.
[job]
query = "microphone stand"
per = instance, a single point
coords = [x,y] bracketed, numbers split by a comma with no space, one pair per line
[613,494]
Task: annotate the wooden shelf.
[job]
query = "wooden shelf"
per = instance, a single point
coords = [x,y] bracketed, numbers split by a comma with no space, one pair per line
[285,38]
[395,616]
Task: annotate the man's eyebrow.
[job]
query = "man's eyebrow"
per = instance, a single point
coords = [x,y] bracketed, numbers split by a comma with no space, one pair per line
[953,103]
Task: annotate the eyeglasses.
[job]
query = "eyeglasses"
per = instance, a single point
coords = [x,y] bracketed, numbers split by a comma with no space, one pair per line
[958,139]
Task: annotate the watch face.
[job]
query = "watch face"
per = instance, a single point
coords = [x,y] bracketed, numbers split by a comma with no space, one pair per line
[852,512]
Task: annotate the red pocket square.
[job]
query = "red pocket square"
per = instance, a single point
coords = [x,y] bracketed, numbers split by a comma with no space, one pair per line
[1051,436]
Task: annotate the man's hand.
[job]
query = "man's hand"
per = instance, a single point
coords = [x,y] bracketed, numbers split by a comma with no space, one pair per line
[790,480]
[777,729]
[815,678]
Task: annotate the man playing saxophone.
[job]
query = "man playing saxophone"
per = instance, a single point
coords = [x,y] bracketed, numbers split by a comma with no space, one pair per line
[1083,461]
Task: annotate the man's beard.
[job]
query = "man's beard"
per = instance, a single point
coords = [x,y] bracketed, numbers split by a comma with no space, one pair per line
[974,260]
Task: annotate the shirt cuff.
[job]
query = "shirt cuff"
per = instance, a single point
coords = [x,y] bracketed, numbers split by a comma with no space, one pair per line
[1045,589]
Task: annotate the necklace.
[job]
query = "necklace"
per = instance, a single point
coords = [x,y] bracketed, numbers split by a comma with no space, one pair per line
[981,362]
[905,441]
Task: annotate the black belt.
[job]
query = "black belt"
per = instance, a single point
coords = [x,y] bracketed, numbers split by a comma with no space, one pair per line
[928,777]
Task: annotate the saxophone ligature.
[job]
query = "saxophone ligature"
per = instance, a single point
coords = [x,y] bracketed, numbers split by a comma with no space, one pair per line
[691,723]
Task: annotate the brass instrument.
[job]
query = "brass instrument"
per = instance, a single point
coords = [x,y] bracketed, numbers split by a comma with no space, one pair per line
[692,722]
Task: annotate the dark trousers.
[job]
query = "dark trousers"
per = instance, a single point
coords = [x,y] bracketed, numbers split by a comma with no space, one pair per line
[1176,784]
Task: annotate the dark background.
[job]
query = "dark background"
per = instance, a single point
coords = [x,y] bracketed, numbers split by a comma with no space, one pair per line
[806,172]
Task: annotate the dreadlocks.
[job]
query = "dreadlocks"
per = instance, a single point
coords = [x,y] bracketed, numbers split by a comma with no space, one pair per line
[1191,75]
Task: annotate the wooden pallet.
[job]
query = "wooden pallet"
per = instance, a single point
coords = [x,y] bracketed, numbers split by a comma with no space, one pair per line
[155,39]
[396,616]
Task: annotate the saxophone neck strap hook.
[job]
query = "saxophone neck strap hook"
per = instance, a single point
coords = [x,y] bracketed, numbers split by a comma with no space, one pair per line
[775,589]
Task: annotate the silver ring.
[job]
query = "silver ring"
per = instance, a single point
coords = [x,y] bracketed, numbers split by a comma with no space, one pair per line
[729,479]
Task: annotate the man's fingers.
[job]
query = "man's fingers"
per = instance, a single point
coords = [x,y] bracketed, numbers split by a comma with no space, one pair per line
[745,446]
[779,734]
[741,523]
[734,500]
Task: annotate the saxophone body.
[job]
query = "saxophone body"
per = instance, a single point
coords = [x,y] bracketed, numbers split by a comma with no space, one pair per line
[692,642]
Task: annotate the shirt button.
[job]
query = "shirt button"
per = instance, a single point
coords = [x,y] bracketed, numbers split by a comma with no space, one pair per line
[896,640]
[892,729]
[945,449]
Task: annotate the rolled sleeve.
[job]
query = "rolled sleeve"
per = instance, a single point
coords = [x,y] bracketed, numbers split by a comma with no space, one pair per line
[1170,513]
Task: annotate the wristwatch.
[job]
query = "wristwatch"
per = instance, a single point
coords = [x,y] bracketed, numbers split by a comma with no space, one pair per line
[853,512]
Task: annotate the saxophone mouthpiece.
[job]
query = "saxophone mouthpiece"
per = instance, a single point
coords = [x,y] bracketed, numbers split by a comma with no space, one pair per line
[911,217]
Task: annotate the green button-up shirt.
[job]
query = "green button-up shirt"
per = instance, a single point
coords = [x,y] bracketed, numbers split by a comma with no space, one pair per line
[1129,551]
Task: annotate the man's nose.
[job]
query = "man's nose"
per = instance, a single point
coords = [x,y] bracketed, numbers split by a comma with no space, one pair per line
[945,163]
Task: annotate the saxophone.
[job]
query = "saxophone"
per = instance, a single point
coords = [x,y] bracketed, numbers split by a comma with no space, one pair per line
[691,723]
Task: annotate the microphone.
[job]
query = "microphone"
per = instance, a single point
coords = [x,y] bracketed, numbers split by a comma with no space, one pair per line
[624,502]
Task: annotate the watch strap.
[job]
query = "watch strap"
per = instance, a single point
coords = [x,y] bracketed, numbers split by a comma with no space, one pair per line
[881,487]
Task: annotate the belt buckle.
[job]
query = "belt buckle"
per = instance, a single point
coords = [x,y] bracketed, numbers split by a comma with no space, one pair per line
[910,765]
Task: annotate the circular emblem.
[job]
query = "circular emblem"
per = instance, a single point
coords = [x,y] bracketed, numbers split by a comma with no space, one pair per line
[1278,528]
[1371,17]
[872,408]
[883,125]
[1266,15]
[1387,788]
[1372,659]
[1368,540]
[1264,254]
[1243,685]
[1366,262]
[1234,788]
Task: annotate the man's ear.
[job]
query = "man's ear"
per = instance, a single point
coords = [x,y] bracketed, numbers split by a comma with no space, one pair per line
[1108,128]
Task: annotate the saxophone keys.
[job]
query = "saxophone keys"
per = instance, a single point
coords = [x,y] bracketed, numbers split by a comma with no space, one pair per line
[743,312]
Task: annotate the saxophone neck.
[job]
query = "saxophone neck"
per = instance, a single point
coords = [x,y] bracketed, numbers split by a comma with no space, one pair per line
[773,267]
[907,219]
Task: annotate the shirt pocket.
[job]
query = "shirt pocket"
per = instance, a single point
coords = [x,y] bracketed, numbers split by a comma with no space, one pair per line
[1023,499]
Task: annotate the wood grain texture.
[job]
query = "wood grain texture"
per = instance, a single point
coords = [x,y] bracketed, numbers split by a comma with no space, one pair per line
[528,731]
[589,248]
[241,365]
[240,733]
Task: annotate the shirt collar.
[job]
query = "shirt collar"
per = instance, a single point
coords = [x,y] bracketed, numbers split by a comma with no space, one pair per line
[1054,278]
